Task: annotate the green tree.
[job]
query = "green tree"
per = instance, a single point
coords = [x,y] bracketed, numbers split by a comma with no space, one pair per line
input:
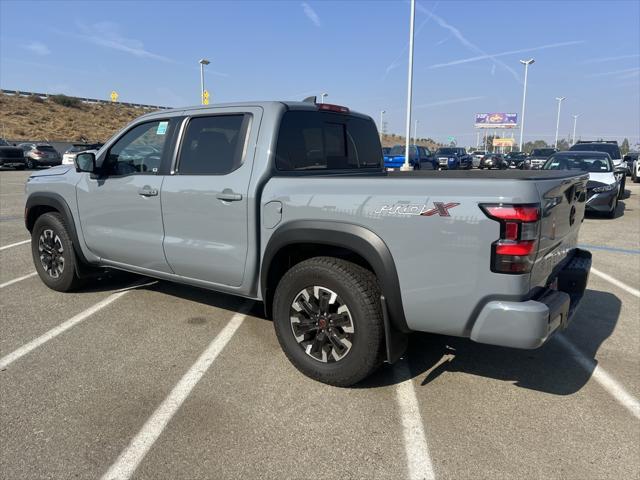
[624,148]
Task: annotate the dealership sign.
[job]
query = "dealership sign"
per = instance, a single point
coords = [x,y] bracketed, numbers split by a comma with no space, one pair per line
[503,142]
[496,120]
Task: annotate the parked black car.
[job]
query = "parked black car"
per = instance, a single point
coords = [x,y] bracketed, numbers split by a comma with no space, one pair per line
[611,147]
[40,155]
[11,156]
[629,159]
[517,159]
[494,160]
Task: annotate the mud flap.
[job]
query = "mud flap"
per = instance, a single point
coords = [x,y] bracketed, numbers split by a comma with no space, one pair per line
[395,341]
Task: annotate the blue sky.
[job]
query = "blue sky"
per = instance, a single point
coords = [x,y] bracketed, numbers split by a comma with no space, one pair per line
[466,57]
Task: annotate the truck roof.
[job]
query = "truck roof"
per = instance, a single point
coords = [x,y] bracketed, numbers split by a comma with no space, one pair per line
[266,105]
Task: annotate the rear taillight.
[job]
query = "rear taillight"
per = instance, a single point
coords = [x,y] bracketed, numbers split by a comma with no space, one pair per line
[38,153]
[515,250]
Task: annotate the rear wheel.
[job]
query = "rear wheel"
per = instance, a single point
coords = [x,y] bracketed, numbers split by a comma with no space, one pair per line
[53,253]
[328,320]
[30,164]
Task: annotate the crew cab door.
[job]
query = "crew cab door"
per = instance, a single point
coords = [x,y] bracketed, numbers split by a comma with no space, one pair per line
[205,199]
[119,208]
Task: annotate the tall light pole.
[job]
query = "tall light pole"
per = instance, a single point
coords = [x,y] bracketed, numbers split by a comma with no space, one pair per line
[203,62]
[526,64]
[559,99]
[415,132]
[322,97]
[405,166]
[382,112]
[575,120]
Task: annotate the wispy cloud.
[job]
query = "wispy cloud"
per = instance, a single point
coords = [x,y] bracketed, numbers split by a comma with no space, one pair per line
[107,34]
[38,48]
[625,73]
[398,60]
[311,14]
[457,34]
[504,54]
[450,101]
[611,59]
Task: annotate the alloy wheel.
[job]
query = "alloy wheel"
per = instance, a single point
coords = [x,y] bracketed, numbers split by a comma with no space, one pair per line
[51,253]
[322,324]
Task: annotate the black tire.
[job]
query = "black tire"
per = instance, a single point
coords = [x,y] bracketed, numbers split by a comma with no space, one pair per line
[622,185]
[612,213]
[29,164]
[357,289]
[50,242]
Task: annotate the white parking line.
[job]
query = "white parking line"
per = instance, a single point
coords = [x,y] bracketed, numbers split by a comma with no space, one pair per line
[415,440]
[14,244]
[16,280]
[616,282]
[63,327]
[130,458]
[601,376]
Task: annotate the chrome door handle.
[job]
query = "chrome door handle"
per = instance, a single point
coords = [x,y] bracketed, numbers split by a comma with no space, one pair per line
[228,196]
[147,191]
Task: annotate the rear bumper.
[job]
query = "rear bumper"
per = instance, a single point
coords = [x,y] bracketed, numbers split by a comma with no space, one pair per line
[12,161]
[529,324]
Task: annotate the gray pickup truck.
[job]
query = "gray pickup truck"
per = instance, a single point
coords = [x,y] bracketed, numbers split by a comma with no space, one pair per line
[289,203]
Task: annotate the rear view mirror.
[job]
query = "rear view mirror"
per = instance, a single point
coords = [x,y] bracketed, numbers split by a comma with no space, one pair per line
[85,162]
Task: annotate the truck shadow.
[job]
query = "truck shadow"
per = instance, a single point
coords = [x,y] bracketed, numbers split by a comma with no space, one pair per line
[550,369]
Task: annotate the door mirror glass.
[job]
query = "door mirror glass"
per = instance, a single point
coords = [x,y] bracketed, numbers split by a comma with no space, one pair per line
[85,162]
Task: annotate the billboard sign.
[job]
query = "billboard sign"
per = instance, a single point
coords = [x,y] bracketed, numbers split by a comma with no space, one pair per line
[503,142]
[496,120]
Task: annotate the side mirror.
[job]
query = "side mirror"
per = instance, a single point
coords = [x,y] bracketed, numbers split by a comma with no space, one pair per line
[85,162]
[620,169]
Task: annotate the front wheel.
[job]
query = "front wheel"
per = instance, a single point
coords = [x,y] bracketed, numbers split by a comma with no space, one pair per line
[612,213]
[53,253]
[623,182]
[328,320]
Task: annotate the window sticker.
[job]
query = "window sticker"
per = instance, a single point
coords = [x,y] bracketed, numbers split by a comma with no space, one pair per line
[162,128]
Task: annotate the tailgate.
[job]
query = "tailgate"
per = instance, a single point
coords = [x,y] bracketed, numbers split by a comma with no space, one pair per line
[562,206]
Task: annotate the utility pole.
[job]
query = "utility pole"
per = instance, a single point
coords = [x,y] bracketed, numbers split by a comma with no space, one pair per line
[526,64]
[575,120]
[382,112]
[405,166]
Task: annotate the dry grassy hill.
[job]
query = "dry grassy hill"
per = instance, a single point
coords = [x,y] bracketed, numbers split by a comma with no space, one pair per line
[31,118]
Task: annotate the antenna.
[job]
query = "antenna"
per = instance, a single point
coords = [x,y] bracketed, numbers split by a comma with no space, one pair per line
[311,99]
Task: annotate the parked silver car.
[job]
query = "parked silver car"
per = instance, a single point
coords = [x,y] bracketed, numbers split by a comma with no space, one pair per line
[40,155]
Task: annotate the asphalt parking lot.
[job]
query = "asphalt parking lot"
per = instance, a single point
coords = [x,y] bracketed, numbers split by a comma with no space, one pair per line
[168,381]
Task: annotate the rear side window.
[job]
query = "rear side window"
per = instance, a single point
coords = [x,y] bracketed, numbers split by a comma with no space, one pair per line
[213,145]
[326,141]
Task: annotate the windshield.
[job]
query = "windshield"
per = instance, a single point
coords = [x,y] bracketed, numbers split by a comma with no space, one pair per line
[46,148]
[397,150]
[446,151]
[584,163]
[610,148]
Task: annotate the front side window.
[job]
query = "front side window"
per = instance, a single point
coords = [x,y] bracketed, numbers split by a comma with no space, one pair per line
[327,141]
[213,145]
[140,150]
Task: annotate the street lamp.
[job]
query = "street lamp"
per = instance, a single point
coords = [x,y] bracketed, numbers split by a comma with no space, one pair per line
[203,62]
[559,99]
[526,64]
[322,95]
[382,112]
[405,166]
[415,132]
[575,120]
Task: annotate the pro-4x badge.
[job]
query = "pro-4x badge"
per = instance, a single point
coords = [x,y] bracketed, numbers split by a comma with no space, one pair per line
[401,209]
[440,208]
